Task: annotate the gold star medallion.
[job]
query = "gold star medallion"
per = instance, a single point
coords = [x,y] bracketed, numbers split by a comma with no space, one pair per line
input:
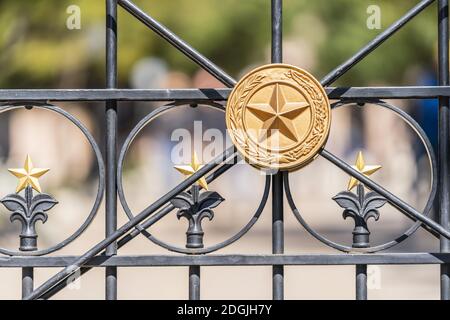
[278,116]
[28,175]
[189,170]
[361,167]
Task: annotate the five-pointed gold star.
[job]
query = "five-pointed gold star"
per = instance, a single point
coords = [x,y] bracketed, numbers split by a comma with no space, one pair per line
[361,167]
[189,170]
[28,175]
[278,114]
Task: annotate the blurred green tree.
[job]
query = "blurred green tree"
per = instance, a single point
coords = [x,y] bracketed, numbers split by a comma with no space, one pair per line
[37,49]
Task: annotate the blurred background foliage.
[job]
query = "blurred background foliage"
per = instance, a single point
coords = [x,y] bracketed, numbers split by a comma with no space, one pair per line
[37,50]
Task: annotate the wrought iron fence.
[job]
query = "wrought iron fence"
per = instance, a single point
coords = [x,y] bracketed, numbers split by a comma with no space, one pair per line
[190,202]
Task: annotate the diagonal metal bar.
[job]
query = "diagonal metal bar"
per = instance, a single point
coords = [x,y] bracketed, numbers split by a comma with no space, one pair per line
[375,43]
[68,271]
[178,43]
[123,241]
[145,225]
[423,226]
[391,198]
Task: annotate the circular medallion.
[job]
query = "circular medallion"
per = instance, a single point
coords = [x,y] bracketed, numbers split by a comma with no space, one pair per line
[278,117]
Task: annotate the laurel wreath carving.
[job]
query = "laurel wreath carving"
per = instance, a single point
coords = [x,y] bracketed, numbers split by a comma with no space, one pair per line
[252,149]
[319,121]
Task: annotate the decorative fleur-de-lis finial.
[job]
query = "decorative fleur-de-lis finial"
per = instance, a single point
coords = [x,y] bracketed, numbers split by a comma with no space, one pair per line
[360,206]
[28,209]
[195,205]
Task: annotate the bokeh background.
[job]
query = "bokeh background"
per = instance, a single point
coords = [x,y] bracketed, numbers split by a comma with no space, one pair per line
[37,50]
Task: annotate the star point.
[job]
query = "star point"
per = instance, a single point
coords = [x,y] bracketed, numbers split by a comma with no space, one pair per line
[192,168]
[28,175]
[361,166]
[278,114]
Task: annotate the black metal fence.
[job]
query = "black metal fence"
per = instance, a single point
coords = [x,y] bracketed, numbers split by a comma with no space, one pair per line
[188,200]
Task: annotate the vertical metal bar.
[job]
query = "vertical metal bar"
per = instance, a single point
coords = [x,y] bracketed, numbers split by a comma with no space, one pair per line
[194,282]
[277,32]
[111,145]
[27,281]
[277,179]
[443,159]
[194,271]
[361,282]
[277,236]
[360,242]
[28,244]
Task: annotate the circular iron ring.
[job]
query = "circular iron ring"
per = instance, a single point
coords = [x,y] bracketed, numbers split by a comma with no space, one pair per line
[101,181]
[429,149]
[143,123]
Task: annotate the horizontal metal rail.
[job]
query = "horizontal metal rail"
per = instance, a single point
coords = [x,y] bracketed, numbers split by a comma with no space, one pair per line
[230,260]
[211,94]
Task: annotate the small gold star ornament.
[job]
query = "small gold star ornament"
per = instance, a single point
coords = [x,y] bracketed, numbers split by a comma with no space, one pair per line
[28,175]
[192,168]
[363,168]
